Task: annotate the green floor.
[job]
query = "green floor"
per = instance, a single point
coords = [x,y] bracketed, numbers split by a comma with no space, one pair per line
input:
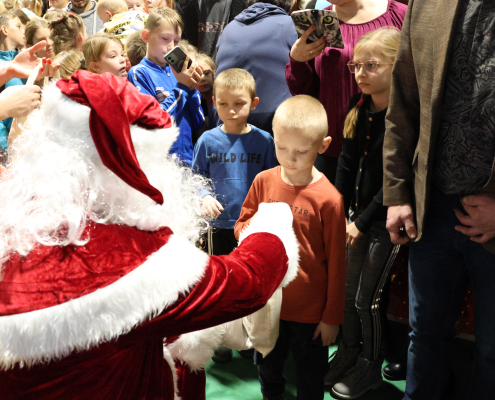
[239,380]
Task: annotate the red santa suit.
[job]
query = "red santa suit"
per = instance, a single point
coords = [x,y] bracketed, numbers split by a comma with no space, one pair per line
[89,321]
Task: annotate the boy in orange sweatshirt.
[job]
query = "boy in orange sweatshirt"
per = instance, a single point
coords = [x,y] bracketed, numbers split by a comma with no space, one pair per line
[312,304]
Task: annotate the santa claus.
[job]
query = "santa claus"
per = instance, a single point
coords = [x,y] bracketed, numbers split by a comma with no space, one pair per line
[99,270]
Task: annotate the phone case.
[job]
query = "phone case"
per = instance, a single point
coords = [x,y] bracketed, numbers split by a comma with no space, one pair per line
[176,57]
[326,23]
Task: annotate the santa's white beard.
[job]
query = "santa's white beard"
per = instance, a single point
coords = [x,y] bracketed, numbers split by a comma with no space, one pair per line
[57,183]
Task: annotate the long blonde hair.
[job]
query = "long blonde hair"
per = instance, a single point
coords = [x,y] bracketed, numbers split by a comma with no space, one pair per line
[383,41]
[35,6]
[70,61]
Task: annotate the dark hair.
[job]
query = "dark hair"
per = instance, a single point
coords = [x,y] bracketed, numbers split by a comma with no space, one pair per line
[283,4]
[64,31]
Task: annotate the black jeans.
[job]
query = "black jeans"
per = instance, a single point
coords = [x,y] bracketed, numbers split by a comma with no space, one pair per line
[369,262]
[310,361]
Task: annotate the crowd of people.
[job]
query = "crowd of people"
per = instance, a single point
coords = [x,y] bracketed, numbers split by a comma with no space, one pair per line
[385,143]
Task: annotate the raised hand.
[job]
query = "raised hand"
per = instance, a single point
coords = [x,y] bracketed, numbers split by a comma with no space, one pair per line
[302,51]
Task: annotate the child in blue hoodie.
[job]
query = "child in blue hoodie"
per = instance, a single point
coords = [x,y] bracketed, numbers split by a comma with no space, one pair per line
[175,91]
[231,155]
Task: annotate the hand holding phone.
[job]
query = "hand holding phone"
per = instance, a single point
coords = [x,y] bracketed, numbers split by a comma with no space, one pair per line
[185,70]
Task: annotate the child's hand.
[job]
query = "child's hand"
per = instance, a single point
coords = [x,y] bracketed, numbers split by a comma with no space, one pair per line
[211,208]
[48,69]
[302,51]
[191,76]
[352,234]
[328,333]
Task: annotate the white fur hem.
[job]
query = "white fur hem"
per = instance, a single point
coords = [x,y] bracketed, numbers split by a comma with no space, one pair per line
[196,348]
[104,315]
[276,218]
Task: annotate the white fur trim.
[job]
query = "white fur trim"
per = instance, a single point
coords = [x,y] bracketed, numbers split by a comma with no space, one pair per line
[196,348]
[170,361]
[276,218]
[104,315]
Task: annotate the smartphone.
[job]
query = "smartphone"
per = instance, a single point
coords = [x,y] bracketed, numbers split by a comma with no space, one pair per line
[176,57]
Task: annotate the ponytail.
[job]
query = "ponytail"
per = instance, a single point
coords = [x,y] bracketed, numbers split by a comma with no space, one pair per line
[351,119]
[65,32]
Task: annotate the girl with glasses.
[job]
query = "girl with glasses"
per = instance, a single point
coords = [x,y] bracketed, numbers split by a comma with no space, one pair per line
[321,71]
[356,366]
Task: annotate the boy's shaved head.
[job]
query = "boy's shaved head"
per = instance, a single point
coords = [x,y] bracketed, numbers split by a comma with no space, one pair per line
[303,113]
[235,78]
[114,6]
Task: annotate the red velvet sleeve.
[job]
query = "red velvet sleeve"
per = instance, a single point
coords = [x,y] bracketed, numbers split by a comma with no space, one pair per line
[302,78]
[232,287]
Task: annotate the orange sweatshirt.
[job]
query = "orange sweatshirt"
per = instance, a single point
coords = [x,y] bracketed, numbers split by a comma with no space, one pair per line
[317,293]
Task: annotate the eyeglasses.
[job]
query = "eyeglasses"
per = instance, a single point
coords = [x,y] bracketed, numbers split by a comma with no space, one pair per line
[369,66]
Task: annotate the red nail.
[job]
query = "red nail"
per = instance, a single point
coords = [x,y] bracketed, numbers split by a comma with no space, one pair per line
[41,70]
[313,27]
[49,61]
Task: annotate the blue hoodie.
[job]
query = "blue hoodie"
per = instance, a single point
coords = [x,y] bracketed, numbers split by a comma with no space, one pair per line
[259,40]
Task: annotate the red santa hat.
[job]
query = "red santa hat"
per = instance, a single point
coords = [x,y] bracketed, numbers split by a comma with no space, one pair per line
[115,104]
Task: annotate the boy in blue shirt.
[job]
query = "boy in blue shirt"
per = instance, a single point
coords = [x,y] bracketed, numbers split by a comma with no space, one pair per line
[11,39]
[231,155]
[176,92]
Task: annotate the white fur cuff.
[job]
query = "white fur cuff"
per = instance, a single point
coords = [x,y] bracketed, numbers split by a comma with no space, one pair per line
[276,218]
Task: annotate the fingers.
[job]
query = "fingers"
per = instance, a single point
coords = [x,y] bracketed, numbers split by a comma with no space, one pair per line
[475,201]
[410,228]
[483,238]
[185,65]
[317,333]
[305,35]
[396,238]
[37,47]
[463,218]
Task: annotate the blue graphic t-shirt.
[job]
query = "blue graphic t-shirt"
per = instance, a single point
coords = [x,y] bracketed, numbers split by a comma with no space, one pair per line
[232,162]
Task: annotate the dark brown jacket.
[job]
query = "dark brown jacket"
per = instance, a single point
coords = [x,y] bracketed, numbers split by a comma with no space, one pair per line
[415,108]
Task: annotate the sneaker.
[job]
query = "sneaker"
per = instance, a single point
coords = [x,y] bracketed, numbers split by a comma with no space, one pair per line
[365,375]
[341,361]
[222,355]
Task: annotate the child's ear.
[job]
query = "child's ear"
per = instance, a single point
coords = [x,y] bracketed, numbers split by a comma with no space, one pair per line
[214,102]
[255,103]
[324,145]
[110,15]
[4,30]
[145,35]
[95,67]
[79,40]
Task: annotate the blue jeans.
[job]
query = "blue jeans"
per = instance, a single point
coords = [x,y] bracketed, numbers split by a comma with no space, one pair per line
[440,265]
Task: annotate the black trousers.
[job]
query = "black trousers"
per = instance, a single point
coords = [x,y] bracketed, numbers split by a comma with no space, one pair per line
[369,262]
[310,361]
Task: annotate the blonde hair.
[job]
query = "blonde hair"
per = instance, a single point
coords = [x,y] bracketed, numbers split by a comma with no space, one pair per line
[21,15]
[163,14]
[65,31]
[188,48]
[305,114]
[70,61]
[235,78]
[383,41]
[54,14]
[35,6]
[2,8]
[7,16]
[32,27]
[136,47]
[94,46]
[114,6]
[208,60]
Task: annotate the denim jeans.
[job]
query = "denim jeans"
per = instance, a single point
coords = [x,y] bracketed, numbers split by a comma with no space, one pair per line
[369,262]
[440,265]
[310,361]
